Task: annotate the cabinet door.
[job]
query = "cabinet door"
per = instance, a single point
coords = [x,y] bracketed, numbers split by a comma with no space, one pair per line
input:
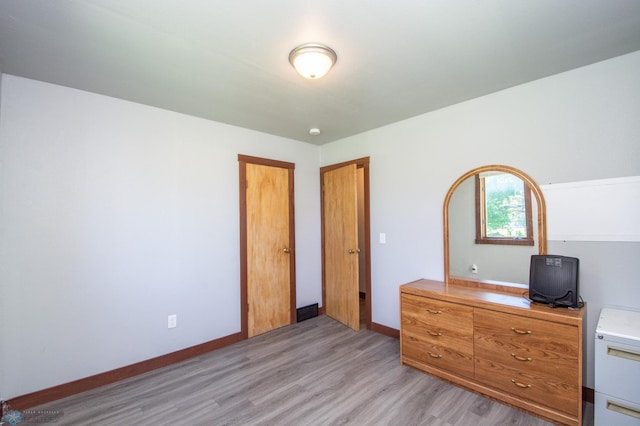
[437,333]
[610,410]
[617,370]
[534,359]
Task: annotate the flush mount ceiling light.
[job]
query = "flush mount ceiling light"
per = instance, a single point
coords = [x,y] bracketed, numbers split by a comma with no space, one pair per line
[312,60]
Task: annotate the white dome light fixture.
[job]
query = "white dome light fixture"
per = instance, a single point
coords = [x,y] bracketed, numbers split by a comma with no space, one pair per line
[312,60]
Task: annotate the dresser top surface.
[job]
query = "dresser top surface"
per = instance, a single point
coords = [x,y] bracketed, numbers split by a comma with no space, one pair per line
[489,299]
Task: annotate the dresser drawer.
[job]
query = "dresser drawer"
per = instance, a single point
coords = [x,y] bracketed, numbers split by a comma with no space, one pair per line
[447,356]
[437,333]
[421,315]
[534,359]
[528,384]
[540,347]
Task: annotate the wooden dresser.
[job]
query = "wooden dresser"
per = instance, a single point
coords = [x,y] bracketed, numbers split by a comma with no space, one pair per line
[501,345]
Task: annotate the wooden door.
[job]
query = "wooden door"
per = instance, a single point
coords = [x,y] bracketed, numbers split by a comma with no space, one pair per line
[268,253]
[340,219]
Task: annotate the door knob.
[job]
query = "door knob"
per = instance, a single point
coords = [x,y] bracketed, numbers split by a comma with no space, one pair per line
[286,250]
[352,251]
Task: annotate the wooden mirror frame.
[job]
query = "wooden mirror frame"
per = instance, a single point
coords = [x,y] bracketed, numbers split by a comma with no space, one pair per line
[542,213]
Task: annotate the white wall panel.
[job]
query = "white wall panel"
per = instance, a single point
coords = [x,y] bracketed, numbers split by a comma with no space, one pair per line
[595,210]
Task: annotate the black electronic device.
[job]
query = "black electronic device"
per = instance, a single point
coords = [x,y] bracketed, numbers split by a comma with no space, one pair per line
[554,280]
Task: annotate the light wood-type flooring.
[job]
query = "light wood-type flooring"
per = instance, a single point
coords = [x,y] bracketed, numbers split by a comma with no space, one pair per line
[317,372]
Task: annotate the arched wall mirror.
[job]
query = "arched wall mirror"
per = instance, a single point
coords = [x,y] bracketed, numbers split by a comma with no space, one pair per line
[494,220]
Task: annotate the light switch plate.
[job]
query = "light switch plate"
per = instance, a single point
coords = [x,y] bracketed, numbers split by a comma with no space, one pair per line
[172,321]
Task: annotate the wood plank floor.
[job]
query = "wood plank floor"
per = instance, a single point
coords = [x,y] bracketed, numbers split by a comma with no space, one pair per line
[317,372]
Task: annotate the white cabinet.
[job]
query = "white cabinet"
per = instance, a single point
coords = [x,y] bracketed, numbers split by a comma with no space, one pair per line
[617,368]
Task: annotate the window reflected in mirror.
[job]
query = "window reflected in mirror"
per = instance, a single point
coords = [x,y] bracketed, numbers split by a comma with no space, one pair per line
[503,210]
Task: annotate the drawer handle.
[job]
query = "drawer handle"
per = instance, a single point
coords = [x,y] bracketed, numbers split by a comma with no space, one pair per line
[433,333]
[623,409]
[521,358]
[518,331]
[431,311]
[520,385]
[432,355]
[623,353]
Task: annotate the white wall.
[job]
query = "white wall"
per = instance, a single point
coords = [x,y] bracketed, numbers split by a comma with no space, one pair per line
[114,215]
[579,125]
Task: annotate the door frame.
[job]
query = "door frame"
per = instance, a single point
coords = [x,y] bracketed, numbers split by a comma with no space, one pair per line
[244,311]
[361,163]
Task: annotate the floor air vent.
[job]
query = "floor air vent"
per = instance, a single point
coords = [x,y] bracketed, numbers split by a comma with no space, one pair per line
[307,312]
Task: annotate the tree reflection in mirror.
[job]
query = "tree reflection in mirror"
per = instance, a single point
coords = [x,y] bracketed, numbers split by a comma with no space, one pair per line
[503,210]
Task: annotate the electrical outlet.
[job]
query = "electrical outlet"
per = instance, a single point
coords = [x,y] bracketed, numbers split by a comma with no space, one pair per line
[172,321]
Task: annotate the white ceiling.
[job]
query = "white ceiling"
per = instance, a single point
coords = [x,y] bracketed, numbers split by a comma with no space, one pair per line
[227,60]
